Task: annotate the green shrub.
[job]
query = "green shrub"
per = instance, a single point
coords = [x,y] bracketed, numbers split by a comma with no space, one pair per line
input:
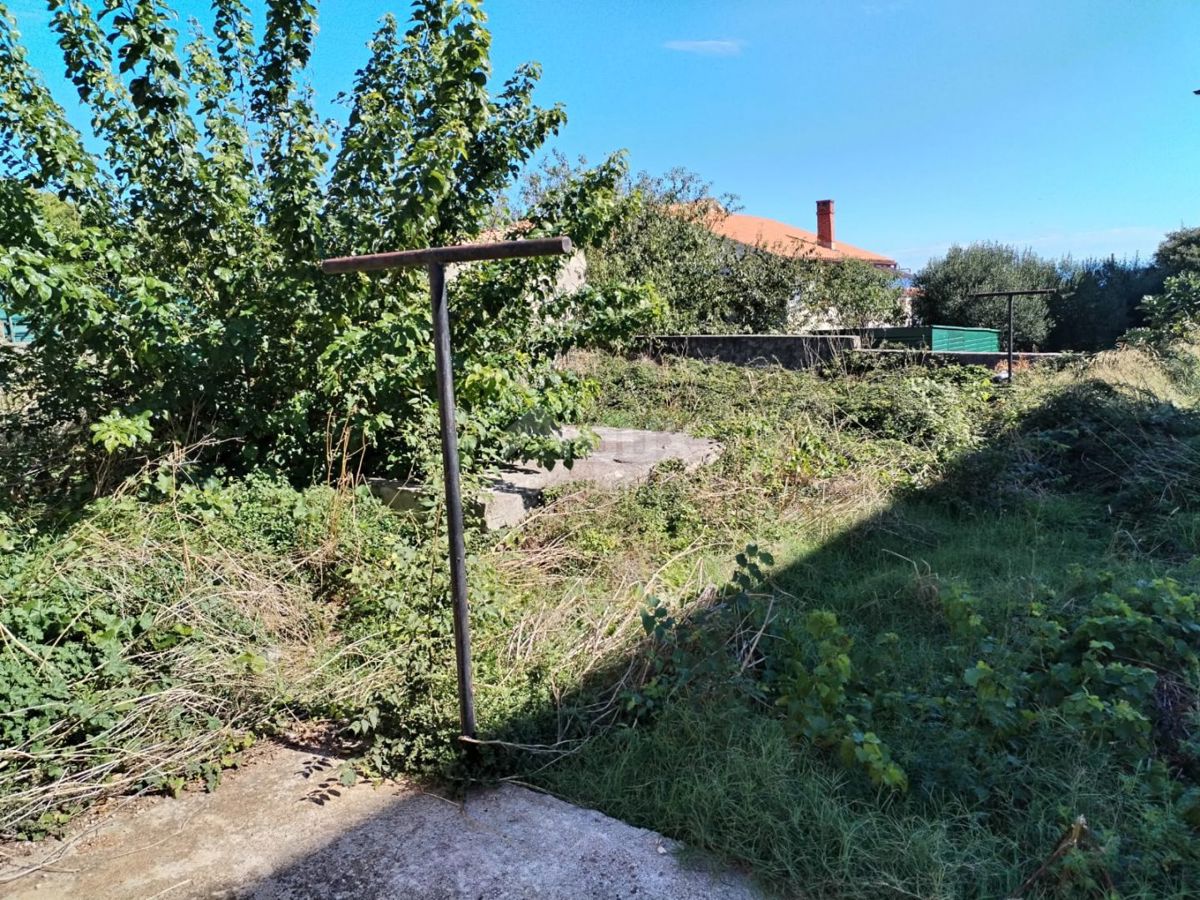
[180,299]
[1172,315]
[144,645]
[1179,251]
[946,283]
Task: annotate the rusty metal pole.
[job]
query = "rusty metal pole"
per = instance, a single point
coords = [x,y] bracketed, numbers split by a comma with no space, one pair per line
[443,362]
[1010,336]
[435,260]
[1010,296]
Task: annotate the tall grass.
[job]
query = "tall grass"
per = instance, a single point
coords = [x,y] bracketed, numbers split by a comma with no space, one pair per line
[882,494]
[188,613]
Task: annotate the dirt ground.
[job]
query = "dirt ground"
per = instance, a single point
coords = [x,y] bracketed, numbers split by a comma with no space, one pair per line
[284,827]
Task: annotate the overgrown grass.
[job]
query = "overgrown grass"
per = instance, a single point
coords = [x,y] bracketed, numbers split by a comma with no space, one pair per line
[1075,486]
[814,712]
[142,645]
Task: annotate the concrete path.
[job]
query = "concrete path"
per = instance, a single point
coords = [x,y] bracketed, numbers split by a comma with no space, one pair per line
[284,827]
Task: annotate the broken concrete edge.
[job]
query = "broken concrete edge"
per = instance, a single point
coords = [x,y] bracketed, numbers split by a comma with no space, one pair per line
[283,827]
[501,505]
[622,456]
[410,496]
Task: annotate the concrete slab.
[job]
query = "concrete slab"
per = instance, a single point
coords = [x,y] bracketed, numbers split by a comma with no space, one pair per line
[284,827]
[623,456]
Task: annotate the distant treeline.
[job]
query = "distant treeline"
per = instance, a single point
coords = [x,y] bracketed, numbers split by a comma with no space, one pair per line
[1096,301]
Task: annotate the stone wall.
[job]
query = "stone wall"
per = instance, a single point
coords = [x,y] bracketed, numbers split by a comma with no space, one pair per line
[965,357]
[802,351]
[791,351]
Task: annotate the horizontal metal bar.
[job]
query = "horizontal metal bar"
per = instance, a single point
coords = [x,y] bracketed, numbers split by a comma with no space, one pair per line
[1014,293]
[375,262]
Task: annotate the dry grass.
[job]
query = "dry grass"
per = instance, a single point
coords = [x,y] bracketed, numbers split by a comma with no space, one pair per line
[1137,370]
[164,714]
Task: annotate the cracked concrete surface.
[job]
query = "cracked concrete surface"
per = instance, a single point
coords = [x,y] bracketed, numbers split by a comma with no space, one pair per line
[284,827]
[623,456]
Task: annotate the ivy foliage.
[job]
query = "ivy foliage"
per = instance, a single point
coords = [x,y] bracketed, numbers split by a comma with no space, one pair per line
[180,298]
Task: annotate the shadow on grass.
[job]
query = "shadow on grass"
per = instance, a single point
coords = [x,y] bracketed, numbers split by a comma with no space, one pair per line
[1092,491]
[687,736]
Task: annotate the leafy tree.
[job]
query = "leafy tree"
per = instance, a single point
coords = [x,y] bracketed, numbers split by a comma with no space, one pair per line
[1172,315]
[1104,300]
[708,283]
[182,298]
[1101,300]
[1179,252]
[945,286]
[1098,301]
[850,293]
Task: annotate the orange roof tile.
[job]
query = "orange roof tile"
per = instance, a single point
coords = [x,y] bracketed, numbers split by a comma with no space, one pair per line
[784,239]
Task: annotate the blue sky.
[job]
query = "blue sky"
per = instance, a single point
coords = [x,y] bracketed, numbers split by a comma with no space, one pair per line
[1065,125]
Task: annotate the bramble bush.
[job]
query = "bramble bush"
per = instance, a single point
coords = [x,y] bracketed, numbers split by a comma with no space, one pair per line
[146,644]
[179,297]
[1116,664]
[150,642]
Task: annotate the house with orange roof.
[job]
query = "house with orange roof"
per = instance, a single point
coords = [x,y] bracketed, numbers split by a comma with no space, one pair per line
[788,240]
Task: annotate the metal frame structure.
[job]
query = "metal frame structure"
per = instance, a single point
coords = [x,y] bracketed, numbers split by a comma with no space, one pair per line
[435,259]
[1010,295]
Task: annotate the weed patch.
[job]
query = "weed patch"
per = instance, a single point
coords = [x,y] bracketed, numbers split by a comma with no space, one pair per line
[957,655]
[995,637]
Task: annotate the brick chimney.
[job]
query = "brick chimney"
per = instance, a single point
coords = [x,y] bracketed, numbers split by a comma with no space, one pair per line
[825,224]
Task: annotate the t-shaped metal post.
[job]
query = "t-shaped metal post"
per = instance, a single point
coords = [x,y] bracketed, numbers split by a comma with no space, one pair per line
[435,259]
[1010,294]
